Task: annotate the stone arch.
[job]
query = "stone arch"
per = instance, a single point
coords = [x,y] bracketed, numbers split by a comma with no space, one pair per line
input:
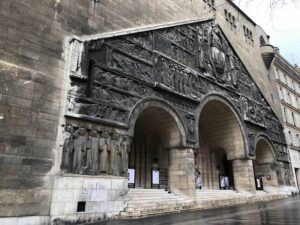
[264,163]
[222,145]
[158,140]
[263,142]
[162,105]
[217,97]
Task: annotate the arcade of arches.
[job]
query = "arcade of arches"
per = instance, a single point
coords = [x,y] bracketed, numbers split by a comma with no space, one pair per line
[157,145]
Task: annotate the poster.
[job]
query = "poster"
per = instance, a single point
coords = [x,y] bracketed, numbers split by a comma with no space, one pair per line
[258,183]
[155,176]
[131,176]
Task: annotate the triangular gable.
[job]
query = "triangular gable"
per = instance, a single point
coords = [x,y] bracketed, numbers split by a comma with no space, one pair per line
[181,64]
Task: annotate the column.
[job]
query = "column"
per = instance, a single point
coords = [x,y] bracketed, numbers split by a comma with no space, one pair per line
[182,172]
[243,175]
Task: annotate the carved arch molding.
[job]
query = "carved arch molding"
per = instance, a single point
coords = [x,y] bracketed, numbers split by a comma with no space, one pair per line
[180,65]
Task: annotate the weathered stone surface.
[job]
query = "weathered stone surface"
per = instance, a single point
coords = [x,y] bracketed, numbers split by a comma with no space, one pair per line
[34,53]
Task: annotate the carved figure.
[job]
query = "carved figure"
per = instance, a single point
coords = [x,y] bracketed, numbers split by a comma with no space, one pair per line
[104,146]
[115,155]
[164,72]
[201,47]
[92,152]
[67,148]
[217,49]
[125,148]
[232,69]
[104,77]
[244,106]
[80,142]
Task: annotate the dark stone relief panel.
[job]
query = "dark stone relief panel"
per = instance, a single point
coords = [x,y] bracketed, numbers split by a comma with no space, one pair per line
[180,65]
[93,151]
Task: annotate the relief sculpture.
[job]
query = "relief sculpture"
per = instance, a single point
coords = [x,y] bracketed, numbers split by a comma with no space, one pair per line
[92,152]
[180,65]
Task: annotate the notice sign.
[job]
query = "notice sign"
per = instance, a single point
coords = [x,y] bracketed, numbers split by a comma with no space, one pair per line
[155,176]
[258,183]
[131,176]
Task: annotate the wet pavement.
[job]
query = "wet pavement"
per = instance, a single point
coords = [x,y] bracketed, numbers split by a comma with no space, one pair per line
[286,212]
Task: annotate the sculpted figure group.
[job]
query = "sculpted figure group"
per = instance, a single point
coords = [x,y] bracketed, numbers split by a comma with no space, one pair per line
[89,152]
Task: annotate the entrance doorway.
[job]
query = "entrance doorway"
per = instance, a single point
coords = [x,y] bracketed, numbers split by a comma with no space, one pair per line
[221,142]
[264,174]
[155,132]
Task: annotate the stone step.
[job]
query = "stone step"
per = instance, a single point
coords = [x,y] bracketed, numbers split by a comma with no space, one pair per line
[146,202]
[149,195]
[147,190]
[141,206]
[159,201]
[163,198]
[142,203]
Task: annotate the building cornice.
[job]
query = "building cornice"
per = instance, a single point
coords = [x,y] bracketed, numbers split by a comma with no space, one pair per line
[283,64]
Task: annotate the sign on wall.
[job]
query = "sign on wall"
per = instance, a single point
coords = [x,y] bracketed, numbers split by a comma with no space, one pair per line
[131,178]
[155,177]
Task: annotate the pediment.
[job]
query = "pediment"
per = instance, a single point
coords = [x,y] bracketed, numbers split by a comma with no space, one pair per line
[180,64]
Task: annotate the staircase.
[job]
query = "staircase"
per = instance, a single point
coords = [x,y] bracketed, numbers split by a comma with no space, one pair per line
[207,199]
[216,198]
[147,202]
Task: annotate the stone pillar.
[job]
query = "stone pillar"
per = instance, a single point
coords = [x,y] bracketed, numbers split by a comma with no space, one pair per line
[182,172]
[243,175]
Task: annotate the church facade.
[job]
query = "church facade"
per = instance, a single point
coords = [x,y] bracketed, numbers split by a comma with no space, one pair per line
[138,107]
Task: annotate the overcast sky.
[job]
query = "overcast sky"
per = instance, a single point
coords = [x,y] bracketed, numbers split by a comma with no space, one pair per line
[281,22]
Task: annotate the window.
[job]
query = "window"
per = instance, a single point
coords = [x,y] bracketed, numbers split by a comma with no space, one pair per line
[288,98]
[81,206]
[294,100]
[297,121]
[291,137]
[248,34]
[262,40]
[230,19]
[276,73]
[211,3]
[283,114]
[293,119]
[295,139]
[289,116]
[280,93]
[293,85]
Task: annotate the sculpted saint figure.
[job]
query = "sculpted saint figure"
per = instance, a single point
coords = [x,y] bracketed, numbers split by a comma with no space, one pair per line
[125,146]
[115,155]
[80,141]
[104,144]
[67,149]
[92,153]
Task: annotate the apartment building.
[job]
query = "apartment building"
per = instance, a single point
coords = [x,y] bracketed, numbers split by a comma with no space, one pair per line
[288,84]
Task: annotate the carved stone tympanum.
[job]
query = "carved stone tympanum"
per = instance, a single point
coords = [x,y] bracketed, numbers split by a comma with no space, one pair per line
[181,65]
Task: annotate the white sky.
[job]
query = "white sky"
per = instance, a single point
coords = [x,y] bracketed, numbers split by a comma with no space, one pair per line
[281,22]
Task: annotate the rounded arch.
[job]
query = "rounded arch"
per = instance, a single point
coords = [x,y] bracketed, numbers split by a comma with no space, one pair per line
[147,103]
[264,150]
[220,99]
[263,164]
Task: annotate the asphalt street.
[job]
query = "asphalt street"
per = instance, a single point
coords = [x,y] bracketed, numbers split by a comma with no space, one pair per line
[279,212]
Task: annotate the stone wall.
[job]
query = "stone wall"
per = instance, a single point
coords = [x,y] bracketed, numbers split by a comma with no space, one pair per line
[33,69]
[101,197]
[34,53]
